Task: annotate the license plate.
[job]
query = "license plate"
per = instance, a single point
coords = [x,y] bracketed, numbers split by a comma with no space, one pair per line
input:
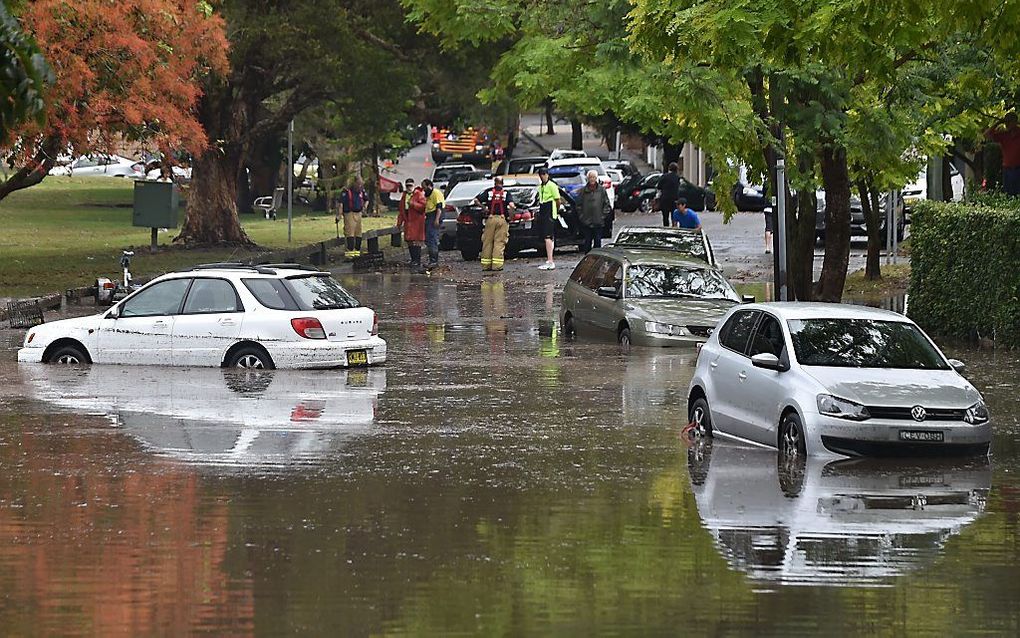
[922,480]
[924,436]
[458,155]
[527,225]
[357,358]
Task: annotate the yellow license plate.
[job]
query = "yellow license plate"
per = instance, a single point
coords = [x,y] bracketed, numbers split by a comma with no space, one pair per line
[357,358]
[458,155]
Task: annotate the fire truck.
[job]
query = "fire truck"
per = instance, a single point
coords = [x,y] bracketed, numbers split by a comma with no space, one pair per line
[470,145]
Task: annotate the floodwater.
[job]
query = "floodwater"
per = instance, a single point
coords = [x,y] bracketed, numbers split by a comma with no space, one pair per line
[491,479]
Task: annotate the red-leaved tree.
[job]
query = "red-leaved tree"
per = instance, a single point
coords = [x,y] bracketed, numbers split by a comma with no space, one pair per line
[125,71]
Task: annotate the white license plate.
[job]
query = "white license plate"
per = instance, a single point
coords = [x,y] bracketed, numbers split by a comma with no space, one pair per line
[923,436]
[527,225]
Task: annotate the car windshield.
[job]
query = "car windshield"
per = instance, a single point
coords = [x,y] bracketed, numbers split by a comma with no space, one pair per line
[863,343]
[320,292]
[686,243]
[567,178]
[524,166]
[678,281]
[443,174]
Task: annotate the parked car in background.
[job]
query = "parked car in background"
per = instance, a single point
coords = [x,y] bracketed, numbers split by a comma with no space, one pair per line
[521,165]
[918,189]
[811,379]
[461,195]
[693,244]
[229,315]
[645,297]
[858,224]
[626,167]
[749,197]
[615,176]
[566,153]
[583,165]
[100,165]
[466,176]
[524,234]
[643,195]
[442,173]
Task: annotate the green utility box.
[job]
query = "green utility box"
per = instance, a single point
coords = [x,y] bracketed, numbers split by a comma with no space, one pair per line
[156,204]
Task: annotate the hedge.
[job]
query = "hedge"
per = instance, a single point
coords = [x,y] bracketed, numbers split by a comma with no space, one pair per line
[965,269]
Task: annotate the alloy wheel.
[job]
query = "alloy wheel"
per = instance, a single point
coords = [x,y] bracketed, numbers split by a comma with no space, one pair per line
[68,360]
[250,361]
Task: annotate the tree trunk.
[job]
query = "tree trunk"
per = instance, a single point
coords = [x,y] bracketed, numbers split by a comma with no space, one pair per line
[947,179]
[873,217]
[549,117]
[211,216]
[576,135]
[375,197]
[27,176]
[801,226]
[836,181]
[671,153]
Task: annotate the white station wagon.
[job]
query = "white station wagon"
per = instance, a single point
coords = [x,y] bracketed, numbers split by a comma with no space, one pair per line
[230,315]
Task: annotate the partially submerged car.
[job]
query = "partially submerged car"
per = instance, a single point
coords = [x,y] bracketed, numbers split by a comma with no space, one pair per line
[229,315]
[683,241]
[810,379]
[645,297]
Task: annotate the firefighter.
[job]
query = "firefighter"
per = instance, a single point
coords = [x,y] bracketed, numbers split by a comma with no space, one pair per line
[498,205]
[352,204]
[412,221]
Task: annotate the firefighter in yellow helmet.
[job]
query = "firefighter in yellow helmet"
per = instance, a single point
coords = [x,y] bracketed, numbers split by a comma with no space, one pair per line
[499,206]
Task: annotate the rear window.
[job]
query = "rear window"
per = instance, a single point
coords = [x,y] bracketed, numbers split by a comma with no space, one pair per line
[467,190]
[567,178]
[689,244]
[580,168]
[320,292]
[271,293]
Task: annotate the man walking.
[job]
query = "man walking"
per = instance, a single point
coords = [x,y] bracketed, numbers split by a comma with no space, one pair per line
[593,211]
[669,190]
[498,204]
[434,202]
[411,219]
[1008,139]
[352,204]
[548,215]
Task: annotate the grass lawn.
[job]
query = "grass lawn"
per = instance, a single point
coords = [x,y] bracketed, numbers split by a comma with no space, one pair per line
[68,230]
[895,280]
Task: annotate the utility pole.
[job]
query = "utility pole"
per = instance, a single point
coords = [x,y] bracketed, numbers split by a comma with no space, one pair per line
[290,179]
[781,230]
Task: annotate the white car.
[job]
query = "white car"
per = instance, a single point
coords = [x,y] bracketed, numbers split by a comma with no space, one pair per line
[834,379]
[583,165]
[615,176]
[918,190]
[227,315]
[97,165]
[566,153]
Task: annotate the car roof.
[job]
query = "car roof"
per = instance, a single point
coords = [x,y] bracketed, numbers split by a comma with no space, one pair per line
[268,271]
[578,161]
[815,310]
[660,230]
[522,179]
[456,166]
[650,256]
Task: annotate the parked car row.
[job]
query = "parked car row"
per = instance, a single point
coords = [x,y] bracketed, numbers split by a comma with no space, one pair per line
[102,165]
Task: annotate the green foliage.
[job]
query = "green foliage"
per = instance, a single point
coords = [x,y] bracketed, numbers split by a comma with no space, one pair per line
[965,277]
[24,75]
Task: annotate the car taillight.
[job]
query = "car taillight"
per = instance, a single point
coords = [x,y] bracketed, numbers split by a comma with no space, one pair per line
[31,336]
[450,208]
[308,327]
[375,324]
[109,285]
[636,192]
[466,219]
[608,183]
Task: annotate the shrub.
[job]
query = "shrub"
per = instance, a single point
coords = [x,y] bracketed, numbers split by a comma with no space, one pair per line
[965,269]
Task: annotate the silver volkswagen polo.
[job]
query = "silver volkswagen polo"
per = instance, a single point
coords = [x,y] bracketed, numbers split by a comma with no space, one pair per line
[837,379]
[645,297]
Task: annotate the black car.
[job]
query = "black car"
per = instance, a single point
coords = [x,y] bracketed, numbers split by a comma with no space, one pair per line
[520,165]
[858,225]
[524,232]
[749,197]
[642,196]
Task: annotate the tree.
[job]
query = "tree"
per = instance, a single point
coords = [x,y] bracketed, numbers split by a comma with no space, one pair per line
[122,72]
[24,76]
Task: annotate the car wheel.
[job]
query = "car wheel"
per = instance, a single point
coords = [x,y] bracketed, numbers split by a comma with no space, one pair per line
[645,206]
[791,473]
[569,330]
[699,458]
[251,358]
[791,436]
[469,255]
[447,243]
[69,355]
[624,338]
[700,415]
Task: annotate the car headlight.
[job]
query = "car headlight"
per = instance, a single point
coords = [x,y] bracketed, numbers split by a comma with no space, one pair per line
[664,328]
[841,408]
[750,192]
[478,147]
[977,414]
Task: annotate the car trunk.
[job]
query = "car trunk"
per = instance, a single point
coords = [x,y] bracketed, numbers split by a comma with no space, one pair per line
[347,324]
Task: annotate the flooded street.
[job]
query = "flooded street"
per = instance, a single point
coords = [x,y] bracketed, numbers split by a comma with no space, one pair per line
[490,479]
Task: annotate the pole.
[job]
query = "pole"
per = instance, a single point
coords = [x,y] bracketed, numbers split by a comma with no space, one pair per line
[781,227]
[618,155]
[290,179]
[895,226]
[889,206]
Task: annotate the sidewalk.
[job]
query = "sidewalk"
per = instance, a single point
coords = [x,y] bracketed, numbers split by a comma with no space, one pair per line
[533,131]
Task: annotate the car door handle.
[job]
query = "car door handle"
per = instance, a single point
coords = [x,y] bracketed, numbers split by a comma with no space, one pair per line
[159,322]
[714,364]
[226,322]
[742,376]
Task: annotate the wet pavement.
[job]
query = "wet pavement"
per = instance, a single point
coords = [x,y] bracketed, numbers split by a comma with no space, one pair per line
[490,479]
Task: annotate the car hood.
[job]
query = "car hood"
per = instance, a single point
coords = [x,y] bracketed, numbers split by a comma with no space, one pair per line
[681,312]
[64,327]
[897,388]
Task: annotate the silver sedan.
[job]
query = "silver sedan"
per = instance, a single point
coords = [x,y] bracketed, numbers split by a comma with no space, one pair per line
[834,379]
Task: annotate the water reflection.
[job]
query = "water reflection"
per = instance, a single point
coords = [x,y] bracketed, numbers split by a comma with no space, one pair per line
[848,522]
[219,417]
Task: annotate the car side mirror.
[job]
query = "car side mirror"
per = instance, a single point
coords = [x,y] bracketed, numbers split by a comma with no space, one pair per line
[958,365]
[747,299]
[114,313]
[608,291]
[768,361]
